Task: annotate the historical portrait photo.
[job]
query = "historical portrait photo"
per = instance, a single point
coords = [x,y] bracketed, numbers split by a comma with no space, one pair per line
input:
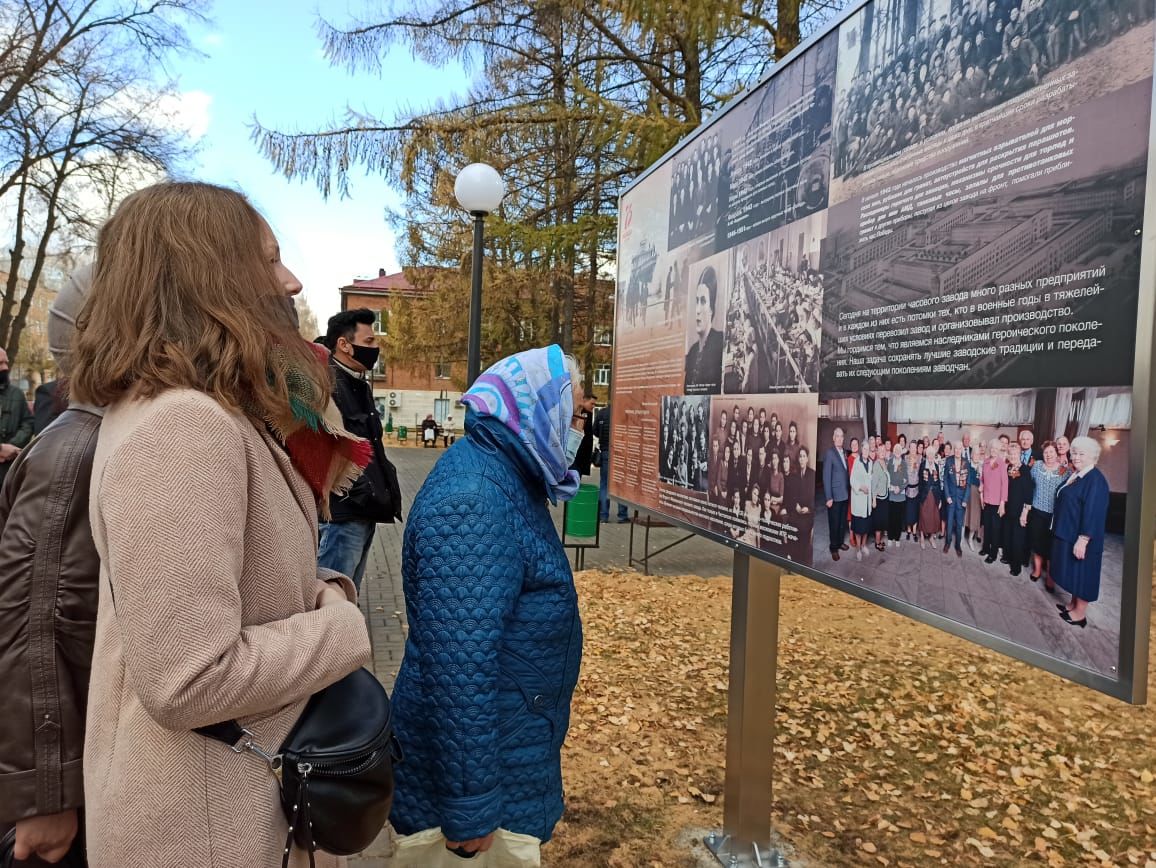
[694,190]
[705,321]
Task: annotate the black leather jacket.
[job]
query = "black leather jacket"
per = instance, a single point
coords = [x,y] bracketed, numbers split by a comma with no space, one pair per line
[376,496]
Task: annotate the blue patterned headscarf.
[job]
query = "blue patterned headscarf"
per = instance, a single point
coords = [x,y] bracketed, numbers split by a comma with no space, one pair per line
[530,393]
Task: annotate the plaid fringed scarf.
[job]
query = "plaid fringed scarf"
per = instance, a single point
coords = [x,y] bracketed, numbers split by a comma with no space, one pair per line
[324,453]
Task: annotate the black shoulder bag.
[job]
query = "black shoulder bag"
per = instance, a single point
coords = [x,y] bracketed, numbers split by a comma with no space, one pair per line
[335,766]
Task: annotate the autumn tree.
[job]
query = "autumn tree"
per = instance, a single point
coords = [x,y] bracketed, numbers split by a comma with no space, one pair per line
[570,101]
[82,123]
[307,323]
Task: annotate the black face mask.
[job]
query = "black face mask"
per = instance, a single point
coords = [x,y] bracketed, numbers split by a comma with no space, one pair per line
[366,356]
[3,379]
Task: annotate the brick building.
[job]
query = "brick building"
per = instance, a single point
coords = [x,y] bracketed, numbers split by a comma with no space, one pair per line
[407,393]
[410,393]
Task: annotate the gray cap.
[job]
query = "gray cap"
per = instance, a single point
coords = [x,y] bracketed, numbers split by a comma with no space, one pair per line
[63,314]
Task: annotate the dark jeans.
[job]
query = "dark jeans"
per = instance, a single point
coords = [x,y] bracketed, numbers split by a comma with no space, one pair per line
[345,547]
[603,494]
[837,523]
[991,530]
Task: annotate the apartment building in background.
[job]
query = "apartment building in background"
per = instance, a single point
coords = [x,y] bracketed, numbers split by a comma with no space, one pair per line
[408,393]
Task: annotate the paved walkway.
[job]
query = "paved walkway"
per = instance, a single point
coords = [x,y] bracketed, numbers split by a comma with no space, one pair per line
[384,605]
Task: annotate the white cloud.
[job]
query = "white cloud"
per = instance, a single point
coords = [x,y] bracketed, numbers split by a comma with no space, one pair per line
[213,40]
[188,111]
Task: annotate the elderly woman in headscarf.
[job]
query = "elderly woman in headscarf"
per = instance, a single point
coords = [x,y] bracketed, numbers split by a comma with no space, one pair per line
[482,699]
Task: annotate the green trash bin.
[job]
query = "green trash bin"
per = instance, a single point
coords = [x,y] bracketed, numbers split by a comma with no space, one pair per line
[582,512]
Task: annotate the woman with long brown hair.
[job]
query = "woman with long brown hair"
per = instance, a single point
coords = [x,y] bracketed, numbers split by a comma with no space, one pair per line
[213,457]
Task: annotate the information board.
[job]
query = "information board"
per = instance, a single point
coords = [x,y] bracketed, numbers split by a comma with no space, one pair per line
[887,319]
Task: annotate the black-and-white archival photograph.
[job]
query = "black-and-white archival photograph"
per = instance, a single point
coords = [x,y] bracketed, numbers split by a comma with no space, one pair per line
[914,68]
[774,318]
[776,162]
[709,279]
[682,447]
[694,191]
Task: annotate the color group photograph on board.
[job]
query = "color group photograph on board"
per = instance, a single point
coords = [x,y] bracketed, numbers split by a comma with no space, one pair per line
[762,473]
[1003,510]
[774,318]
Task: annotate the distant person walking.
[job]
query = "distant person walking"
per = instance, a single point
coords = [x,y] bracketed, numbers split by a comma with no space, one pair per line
[583,461]
[602,432]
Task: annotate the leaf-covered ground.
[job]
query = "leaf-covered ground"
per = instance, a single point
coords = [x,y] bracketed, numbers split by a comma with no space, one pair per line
[896,744]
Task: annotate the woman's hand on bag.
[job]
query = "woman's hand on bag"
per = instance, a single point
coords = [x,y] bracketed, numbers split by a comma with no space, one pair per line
[331,596]
[474,845]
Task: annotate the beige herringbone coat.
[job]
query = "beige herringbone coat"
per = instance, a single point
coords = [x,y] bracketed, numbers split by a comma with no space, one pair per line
[208,594]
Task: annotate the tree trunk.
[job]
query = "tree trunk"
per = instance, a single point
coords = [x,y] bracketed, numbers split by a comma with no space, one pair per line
[16,259]
[787,34]
[21,318]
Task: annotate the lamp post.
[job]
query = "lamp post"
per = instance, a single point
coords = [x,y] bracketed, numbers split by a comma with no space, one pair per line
[479,190]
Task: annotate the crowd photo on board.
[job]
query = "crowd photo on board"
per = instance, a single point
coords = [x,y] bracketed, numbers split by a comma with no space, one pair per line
[694,192]
[774,321]
[761,477]
[682,449]
[919,75]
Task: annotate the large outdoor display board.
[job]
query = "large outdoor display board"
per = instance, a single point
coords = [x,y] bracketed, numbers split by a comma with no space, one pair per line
[924,229]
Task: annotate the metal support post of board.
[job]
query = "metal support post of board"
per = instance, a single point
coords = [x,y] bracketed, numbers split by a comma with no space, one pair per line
[746,836]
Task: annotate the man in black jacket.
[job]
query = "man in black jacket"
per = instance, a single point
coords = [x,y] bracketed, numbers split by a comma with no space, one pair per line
[375,497]
[584,458]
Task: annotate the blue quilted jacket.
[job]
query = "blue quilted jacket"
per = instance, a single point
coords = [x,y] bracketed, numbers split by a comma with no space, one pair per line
[482,700]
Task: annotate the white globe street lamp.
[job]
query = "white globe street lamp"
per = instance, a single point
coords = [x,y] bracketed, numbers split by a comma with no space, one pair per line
[479,190]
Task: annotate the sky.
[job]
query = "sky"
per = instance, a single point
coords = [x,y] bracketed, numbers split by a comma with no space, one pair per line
[264,59]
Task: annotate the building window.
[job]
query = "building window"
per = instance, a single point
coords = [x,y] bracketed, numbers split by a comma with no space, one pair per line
[442,371]
[602,336]
[379,368]
[602,375]
[441,410]
[525,331]
[380,321]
